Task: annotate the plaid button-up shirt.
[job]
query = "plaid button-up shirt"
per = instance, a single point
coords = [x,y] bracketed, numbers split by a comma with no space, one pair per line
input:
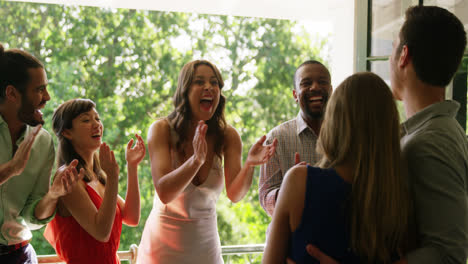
[293,136]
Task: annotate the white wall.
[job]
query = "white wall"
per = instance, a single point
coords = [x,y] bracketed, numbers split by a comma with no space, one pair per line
[340,13]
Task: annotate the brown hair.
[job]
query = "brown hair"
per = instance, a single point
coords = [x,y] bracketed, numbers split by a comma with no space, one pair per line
[14,65]
[180,117]
[364,132]
[63,119]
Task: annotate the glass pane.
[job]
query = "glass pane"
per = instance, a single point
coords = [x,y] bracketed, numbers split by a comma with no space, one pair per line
[387,18]
[463,71]
[458,7]
[459,91]
[465,67]
[382,68]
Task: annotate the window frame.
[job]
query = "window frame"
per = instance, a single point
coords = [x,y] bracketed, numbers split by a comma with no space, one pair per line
[457,90]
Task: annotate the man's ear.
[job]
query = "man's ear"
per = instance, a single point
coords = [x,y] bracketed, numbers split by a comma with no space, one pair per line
[12,94]
[295,95]
[404,58]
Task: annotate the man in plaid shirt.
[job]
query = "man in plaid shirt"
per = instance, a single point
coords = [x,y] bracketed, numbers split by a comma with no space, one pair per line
[296,137]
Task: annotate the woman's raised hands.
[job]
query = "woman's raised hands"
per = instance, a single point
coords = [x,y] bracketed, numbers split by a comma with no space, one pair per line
[108,163]
[200,147]
[259,153]
[134,155]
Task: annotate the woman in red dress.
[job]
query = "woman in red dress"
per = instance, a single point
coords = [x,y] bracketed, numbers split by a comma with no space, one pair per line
[88,223]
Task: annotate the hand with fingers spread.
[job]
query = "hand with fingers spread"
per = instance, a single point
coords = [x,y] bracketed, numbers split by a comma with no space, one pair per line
[108,163]
[259,153]
[64,179]
[21,156]
[200,147]
[134,155]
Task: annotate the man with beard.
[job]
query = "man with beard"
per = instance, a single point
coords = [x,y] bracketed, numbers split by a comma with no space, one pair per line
[296,137]
[27,156]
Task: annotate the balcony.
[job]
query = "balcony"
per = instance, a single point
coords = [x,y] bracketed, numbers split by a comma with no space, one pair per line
[131,254]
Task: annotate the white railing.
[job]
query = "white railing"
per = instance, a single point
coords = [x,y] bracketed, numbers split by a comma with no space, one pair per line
[131,254]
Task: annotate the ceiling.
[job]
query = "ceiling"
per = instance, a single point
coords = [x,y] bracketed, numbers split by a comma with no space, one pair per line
[316,10]
[338,13]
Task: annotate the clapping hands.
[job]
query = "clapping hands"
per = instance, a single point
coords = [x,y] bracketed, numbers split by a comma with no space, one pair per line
[200,147]
[108,163]
[21,156]
[260,153]
[134,155]
[64,179]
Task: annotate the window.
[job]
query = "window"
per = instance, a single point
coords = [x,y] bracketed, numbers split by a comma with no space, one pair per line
[378,22]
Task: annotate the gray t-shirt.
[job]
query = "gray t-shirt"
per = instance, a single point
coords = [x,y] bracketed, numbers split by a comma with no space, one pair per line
[436,149]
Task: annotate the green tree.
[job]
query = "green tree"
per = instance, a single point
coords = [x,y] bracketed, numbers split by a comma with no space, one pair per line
[127,61]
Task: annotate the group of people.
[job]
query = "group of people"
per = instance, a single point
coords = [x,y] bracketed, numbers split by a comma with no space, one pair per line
[343,181]
[381,193]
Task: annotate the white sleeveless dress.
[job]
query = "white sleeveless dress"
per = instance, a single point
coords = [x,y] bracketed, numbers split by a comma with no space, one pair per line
[185,230]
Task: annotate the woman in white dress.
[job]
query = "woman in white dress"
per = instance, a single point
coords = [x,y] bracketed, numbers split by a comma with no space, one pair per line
[187,150]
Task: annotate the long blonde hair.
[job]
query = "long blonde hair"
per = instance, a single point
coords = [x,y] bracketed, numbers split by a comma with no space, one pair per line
[361,128]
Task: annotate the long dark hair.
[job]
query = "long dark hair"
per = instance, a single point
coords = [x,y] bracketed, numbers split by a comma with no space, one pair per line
[182,114]
[61,120]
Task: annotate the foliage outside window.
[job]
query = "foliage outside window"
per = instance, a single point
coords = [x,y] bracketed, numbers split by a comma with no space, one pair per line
[127,61]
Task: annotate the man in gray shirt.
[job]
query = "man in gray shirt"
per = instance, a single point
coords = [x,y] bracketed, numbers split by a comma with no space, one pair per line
[425,57]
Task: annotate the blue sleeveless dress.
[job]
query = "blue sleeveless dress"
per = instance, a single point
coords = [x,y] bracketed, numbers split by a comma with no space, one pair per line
[324,220]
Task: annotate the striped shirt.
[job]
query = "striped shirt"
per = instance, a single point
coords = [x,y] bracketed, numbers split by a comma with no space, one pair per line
[293,136]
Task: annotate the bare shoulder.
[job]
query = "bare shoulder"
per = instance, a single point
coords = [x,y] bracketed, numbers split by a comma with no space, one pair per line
[231,138]
[230,132]
[159,130]
[296,177]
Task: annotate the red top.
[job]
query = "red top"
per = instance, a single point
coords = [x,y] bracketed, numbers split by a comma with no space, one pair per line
[75,246]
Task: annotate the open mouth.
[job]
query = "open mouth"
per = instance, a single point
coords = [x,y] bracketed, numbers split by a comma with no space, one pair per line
[316,100]
[96,136]
[206,103]
[38,114]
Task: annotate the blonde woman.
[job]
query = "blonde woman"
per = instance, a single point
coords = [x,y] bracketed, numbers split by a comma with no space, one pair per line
[355,205]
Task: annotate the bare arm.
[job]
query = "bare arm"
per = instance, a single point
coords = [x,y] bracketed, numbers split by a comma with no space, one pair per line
[131,205]
[170,183]
[239,179]
[17,164]
[98,223]
[287,215]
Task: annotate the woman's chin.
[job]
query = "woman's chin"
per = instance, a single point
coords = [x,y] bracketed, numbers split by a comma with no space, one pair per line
[95,147]
[205,116]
